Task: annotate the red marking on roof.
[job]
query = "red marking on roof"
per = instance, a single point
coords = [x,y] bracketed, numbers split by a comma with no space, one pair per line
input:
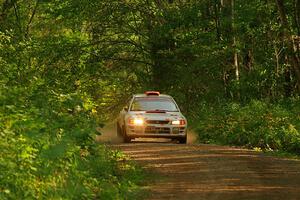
[156,93]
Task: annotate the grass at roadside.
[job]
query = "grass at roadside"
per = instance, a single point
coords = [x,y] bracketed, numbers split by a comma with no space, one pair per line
[133,176]
[283,154]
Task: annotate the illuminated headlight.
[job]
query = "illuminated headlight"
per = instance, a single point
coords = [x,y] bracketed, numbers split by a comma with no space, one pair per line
[136,121]
[178,122]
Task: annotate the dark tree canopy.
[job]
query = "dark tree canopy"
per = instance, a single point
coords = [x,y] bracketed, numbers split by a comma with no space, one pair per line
[66,67]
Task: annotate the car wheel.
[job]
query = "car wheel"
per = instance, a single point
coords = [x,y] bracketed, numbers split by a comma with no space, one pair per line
[182,140]
[125,137]
[119,131]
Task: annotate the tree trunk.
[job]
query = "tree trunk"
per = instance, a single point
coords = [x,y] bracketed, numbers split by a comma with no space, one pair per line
[235,56]
[297,15]
[217,20]
[288,40]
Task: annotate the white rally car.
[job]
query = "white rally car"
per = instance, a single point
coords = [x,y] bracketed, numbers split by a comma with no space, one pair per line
[152,115]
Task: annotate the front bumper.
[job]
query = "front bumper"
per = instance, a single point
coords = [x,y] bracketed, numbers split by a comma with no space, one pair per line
[156,131]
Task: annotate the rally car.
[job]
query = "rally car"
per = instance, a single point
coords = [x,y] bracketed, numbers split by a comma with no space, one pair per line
[152,115]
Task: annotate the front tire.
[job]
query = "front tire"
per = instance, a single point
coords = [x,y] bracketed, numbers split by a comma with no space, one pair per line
[182,140]
[119,131]
[125,137]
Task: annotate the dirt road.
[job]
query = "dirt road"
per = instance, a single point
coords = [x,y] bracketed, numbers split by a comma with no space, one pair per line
[214,172]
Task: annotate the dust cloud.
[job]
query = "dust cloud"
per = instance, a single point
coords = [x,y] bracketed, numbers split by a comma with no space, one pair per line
[192,137]
[108,134]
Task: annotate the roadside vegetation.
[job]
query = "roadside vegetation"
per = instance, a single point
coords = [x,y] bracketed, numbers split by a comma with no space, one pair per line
[48,151]
[67,67]
[259,124]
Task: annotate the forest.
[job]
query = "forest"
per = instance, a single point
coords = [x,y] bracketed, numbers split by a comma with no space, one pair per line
[68,67]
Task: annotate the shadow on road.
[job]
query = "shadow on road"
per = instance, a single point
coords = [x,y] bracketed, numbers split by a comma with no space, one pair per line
[215,172]
[209,171]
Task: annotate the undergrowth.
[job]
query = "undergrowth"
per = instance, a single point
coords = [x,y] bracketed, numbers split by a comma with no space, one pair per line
[48,150]
[258,124]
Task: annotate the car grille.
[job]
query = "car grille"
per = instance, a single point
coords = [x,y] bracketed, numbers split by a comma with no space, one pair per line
[177,130]
[157,121]
[162,130]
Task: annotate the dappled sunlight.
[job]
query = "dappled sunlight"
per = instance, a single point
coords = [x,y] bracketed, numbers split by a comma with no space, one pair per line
[215,172]
[209,171]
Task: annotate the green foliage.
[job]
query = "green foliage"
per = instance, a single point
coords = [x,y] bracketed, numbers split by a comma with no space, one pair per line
[68,66]
[257,124]
[48,151]
[51,101]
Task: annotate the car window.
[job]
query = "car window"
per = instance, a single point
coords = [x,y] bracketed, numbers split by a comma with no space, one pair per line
[153,104]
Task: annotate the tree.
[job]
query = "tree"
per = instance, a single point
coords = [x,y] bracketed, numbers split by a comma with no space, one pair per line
[288,40]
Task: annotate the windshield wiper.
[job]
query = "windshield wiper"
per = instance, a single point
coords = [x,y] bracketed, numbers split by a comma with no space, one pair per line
[156,111]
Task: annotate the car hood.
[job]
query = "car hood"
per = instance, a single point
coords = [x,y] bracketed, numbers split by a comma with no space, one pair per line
[157,116]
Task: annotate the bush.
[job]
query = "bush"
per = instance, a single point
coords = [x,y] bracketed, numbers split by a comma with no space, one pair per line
[258,124]
[48,150]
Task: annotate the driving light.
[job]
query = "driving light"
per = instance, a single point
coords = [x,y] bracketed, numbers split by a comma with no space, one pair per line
[178,122]
[136,121]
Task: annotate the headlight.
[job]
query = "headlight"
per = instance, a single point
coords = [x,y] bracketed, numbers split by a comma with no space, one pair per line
[136,121]
[178,122]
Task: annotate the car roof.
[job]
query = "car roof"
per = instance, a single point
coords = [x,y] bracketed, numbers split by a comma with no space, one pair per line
[152,96]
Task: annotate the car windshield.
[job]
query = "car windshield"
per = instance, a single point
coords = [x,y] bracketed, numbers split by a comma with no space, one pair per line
[153,104]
